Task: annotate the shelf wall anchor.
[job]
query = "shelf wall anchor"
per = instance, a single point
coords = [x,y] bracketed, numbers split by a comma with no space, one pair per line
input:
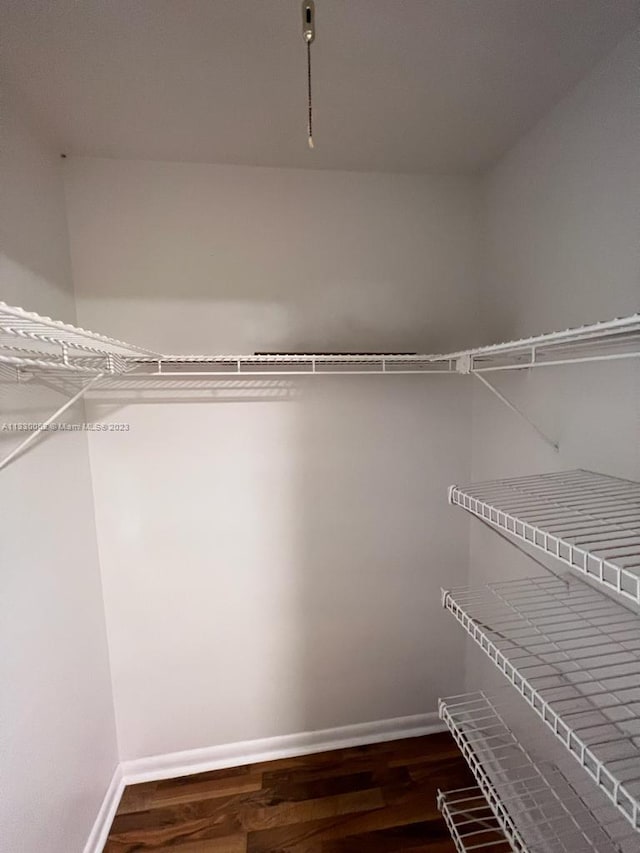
[510,405]
[43,426]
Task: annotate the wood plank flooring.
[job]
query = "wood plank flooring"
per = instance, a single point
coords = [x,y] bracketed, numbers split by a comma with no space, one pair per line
[371,799]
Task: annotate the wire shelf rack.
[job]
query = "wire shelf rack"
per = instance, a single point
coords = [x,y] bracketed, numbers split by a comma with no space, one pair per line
[31,342]
[588,521]
[471,823]
[574,656]
[612,339]
[534,805]
[604,341]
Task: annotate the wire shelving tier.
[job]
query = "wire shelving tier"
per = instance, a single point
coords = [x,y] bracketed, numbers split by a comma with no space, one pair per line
[39,345]
[536,808]
[471,823]
[28,340]
[611,339]
[589,521]
[574,655]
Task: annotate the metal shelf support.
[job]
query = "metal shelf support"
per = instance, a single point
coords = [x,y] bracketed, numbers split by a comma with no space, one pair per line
[50,420]
[553,444]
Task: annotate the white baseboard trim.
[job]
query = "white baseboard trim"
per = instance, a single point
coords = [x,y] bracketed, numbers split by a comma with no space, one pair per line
[175,764]
[100,830]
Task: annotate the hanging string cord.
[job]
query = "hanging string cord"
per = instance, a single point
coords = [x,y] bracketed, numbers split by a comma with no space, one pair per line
[309,101]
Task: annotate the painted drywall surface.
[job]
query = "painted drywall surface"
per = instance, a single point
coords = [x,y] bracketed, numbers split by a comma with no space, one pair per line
[240,259]
[274,566]
[562,220]
[34,253]
[562,211]
[57,738]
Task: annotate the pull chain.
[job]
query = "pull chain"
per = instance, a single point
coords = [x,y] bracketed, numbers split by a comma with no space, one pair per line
[309,34]
[310,103]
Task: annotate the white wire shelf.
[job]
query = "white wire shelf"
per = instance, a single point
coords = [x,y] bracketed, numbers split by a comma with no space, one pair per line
[471,823]
[604,341]
[588,521]
[300,364]
[536,808]
[132,387]
[30,340]
[34,343]
[573,654]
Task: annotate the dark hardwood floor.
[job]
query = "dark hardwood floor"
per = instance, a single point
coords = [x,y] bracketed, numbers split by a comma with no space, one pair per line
[370,799]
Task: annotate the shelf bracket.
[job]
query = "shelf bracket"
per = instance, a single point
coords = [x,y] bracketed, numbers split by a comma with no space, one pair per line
[43,426]
[510,405]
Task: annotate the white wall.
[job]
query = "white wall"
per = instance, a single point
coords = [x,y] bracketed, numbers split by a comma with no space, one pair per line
[57,737]
[272,567]
[562,222]
[562,211]
[287,258]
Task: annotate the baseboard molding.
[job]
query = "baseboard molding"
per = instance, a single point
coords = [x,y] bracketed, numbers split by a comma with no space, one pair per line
[157,767]
[172,764]
[100,829]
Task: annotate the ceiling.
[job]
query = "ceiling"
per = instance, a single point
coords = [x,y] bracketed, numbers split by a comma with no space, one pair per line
[442,86]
